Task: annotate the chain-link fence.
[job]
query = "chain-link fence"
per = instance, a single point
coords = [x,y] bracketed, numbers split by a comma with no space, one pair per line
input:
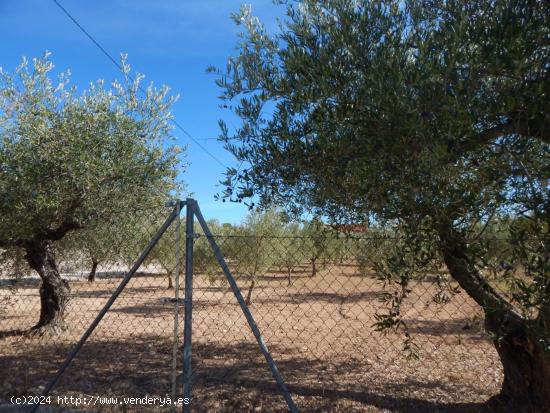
[320,302]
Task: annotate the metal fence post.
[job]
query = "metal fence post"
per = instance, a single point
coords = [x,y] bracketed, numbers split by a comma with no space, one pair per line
[176,308]
[188,323]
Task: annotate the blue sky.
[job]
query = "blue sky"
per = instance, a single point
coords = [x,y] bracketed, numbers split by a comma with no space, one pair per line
[172,42]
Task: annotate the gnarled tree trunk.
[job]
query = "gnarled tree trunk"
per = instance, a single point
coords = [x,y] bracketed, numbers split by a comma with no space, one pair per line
[91,276]
[248,300]
[526,385]
[526,365]
[170,283]
[54,291]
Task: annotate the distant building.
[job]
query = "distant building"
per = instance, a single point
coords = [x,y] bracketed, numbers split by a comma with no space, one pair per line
[351,228]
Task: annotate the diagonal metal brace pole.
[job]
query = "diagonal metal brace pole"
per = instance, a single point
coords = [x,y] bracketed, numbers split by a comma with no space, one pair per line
[188,323]
[116,293]
[253,326]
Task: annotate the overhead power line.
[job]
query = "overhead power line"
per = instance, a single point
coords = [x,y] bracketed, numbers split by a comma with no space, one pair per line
[119,67]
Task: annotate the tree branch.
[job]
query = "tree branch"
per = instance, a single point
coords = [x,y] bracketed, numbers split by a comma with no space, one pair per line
[69,223]
[518,127]
[8,243]
[59,232]
[462,269]
[511,127]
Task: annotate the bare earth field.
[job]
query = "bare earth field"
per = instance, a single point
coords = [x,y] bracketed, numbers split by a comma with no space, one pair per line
[319,330]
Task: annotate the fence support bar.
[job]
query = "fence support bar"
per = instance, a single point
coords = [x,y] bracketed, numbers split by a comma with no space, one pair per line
[254,327]
[176,308]
[188,322]
[108,305]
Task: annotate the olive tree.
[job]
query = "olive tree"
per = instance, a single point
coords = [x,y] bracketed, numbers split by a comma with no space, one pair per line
[167,250]
[69,160]
[430,116]
[372,248]
[317,245]
[97,244]
[289,248]
[204,260]
[255,247]
[171,256]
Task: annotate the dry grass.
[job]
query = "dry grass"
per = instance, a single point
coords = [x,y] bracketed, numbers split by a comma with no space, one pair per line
[319,330]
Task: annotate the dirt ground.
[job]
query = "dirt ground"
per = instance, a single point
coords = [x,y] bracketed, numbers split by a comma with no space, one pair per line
[319,329]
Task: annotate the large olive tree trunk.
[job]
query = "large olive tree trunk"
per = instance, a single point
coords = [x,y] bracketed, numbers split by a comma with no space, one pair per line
[526,365]
[54,291]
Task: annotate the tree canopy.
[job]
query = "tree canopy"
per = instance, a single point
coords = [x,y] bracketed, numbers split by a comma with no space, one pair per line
[71,160]
[428,115]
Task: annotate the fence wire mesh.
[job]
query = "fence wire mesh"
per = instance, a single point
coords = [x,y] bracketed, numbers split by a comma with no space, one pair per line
[319,302]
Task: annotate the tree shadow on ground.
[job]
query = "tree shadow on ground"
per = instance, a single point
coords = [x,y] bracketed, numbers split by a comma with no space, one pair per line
[346,297]
[456,327]
[281,277]
[12,333]
[165,306]
[230,377]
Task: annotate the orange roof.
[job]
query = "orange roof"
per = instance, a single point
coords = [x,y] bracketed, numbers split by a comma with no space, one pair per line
[357,228]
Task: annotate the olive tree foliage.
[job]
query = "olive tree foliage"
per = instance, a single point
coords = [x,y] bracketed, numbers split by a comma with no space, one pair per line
[72,159]
[204,261]
[87,248]
[170,251]
[254,246]
[290,248]
[169,248]
[13,264]
[371,250]
[115,244]
[427,115]
[318,247]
